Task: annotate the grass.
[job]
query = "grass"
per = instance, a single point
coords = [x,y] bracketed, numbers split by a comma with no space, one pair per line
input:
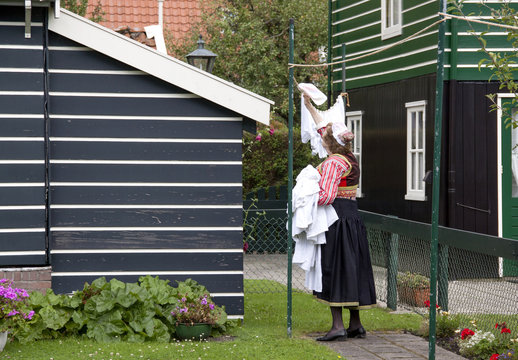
[263,335]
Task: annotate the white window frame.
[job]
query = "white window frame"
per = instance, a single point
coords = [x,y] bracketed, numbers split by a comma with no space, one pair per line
[391,26]
[354,124]
[415,185]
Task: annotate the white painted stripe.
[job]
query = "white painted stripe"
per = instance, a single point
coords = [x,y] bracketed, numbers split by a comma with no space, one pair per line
[22,47]
[475,66]
[415,66]
[18,23]
[349,6]
[21,162]
[144,162]
[145,272]
[25,230]
[488,49]
[130,184]
[376,23]
[174,118]
[146,140]
[227,294]
[21,70]
[21,116]
[21,93]
[164,228]
[69,48]
[97,72]
[27,138]
[125,95]
[23,207]
[478,33]
[356,16]
[22,184]
[98,206]
[419,5]
[418,51]
[146,251]
[21,253]
[236,317]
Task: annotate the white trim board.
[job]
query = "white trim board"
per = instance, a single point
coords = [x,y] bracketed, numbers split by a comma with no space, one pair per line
[162,66]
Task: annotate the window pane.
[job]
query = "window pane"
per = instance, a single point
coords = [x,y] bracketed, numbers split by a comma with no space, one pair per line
[413,124]
[420,129]
[388,13]
[420,173]
[395,12]
[413,171]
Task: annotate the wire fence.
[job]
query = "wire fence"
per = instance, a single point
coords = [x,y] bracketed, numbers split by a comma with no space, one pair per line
[473,282]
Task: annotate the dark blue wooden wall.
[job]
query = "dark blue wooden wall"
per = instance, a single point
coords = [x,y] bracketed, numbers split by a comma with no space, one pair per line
[144,178]
[22,141]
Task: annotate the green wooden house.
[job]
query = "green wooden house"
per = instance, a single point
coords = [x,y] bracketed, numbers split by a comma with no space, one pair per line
[392,96]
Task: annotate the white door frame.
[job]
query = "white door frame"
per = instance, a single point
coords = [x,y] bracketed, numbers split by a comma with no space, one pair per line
[500,170]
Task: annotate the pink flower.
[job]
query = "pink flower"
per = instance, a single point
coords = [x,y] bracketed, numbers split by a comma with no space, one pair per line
[245,246]
[211,306]
[258,137]
[271,131]
[204,301]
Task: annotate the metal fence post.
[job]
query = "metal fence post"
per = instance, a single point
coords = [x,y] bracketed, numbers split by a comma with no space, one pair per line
[443,277]
[290,176]
[392,266]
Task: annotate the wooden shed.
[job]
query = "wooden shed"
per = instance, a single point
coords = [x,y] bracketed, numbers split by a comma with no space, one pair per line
[117,160]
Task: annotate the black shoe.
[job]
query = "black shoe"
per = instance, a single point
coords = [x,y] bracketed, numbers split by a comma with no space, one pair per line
[340,335]
[358,333]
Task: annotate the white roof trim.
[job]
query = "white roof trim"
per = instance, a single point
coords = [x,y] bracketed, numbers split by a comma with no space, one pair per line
[165,67]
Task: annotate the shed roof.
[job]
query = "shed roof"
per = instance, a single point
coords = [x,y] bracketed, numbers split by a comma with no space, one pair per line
[179,15]
[167,68]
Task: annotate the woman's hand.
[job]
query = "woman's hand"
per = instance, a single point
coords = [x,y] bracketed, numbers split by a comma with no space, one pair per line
[307,101]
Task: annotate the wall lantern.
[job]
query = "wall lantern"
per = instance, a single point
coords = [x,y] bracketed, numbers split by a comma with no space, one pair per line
[202,58]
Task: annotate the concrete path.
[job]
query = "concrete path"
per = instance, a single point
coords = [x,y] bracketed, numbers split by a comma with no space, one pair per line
[387,345]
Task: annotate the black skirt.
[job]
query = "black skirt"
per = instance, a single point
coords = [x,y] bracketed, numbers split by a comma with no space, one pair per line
[347,278]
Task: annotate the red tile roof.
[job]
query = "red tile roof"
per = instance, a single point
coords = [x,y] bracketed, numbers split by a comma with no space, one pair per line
[179,15]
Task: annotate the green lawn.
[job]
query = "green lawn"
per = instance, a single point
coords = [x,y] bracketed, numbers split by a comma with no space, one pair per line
[262,335]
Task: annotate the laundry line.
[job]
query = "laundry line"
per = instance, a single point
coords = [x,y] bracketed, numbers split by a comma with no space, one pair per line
[290,65]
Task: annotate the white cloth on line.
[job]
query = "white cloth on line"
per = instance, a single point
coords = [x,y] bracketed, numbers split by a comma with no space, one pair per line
[308,128]
[309,224]
[313,92]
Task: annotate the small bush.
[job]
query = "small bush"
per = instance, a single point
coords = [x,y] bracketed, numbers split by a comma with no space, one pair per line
[113,311]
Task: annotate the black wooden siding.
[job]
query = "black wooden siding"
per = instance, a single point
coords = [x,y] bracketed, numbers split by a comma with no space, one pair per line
[22,146]
[469,152]
[144,178]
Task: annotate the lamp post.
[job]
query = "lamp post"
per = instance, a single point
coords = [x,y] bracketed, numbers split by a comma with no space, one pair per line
[202,58]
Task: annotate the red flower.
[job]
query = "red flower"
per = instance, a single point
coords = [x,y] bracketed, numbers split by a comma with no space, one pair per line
[466,333]
[494,357]
[427,303]
[505,330]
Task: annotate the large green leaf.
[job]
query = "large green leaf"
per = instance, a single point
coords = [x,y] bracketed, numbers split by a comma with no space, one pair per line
[54,318]
[106,328]
[161,332]
[103,301]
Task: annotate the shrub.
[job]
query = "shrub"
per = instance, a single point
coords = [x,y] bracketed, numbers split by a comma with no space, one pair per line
[114,311]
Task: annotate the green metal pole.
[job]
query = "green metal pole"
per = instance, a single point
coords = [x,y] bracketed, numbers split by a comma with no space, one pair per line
[290,174]
[329,48]
[434,244]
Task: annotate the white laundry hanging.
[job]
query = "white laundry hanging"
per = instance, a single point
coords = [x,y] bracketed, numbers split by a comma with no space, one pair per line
[309,224]
[308,128]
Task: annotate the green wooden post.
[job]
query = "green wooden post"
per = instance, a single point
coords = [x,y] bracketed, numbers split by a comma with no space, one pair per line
[443,277]
[392,266]
[290,174]
[434,244]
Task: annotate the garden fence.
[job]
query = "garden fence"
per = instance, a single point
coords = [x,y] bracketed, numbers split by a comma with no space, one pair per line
[477,274]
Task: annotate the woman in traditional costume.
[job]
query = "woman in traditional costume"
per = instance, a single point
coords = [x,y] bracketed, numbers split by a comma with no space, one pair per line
[347,278]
